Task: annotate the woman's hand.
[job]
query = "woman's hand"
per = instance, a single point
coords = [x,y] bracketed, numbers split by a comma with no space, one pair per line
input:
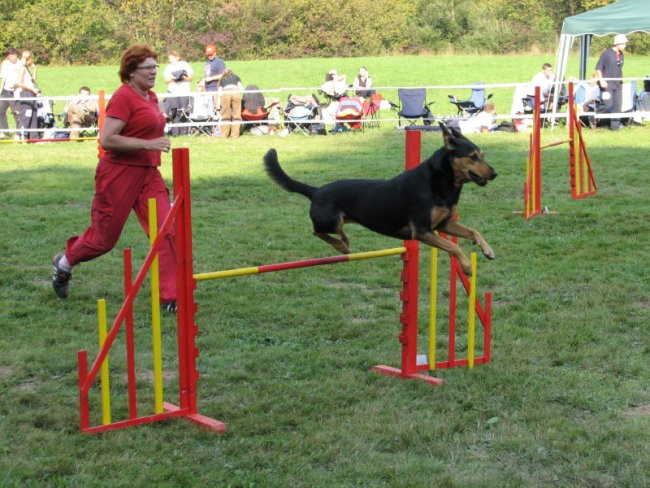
[161,144]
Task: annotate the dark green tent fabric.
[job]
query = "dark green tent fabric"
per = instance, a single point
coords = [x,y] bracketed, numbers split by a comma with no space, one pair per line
[622,17]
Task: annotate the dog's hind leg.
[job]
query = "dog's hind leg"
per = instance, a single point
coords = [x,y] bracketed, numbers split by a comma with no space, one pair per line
[328,220]
[454,228]
[434,240]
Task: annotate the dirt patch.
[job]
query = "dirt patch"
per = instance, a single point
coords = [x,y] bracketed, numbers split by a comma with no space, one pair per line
[643,410]
[5,372]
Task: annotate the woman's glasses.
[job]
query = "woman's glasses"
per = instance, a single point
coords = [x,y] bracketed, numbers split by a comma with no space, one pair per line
[150,67]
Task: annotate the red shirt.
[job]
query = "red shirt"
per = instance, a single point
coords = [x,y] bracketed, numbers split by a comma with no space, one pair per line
[144,120]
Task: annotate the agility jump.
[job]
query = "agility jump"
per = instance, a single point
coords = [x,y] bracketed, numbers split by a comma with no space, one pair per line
[583,183]
[412,364]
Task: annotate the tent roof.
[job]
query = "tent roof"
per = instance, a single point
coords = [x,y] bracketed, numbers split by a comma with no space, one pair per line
[622,17]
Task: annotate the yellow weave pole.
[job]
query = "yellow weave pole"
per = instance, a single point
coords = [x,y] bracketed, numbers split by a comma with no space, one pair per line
[102,329]
[155,313]
[433,308]
[472,312]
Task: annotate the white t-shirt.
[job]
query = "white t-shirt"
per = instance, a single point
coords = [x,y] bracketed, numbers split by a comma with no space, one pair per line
[9,74]
[178,87]
[545,84]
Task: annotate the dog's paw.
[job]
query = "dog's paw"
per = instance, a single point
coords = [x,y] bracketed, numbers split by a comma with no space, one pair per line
[488,252]
[465,265]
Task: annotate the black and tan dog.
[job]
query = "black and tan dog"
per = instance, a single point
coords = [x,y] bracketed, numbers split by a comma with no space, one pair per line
[411,205]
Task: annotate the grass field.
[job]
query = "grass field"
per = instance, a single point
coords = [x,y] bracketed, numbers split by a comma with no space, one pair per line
[285,357]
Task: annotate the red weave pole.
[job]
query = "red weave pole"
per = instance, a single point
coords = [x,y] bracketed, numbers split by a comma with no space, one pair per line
[572,144]
[538,152]
[84,408]
[130,342]
[453,270]
[185,281]
[412,156]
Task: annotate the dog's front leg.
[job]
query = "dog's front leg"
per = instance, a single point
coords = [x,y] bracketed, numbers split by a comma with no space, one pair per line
[434,240]
[454,228]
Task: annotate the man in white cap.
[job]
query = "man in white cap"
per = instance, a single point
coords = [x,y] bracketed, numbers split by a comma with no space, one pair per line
[610,65]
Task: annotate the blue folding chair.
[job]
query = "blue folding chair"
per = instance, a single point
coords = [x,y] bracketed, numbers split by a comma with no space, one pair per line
[474,104]
[413,106]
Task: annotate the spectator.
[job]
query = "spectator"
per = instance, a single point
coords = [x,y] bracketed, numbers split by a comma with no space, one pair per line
[213,70]
[362,83]
[28,109]
[178,75]
[544,80]
[9,72]
[25,58]
[610,65]
[80,112]
[127,175]
[335,85]
[230,91]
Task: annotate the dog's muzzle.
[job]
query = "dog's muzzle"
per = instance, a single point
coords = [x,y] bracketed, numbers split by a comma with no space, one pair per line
[480,180]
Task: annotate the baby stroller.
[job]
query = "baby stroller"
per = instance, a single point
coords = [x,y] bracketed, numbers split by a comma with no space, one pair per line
[303,114]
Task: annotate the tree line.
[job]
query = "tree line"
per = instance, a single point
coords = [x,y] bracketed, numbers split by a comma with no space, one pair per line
[97,31]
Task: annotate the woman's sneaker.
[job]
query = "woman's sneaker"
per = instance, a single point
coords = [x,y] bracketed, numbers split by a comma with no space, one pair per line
[169,307]
[60,278]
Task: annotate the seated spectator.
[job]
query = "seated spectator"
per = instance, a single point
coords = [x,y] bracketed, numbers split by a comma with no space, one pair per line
[362,83]
[178,75]
[484,121]
[80,112]
[643,99]
[544,80]
[335,85]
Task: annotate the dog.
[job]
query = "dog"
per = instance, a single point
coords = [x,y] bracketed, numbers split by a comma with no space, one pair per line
[412,205]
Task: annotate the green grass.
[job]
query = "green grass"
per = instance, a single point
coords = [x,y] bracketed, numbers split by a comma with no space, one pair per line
[285,357]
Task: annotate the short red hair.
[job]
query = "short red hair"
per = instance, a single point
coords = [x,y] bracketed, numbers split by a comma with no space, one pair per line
[132,57]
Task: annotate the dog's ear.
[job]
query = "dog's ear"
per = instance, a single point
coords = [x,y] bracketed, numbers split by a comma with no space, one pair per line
[450,135]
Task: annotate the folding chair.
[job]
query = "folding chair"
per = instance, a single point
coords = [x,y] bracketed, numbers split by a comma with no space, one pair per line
[474,104]
[201,113]
[413,106]
[371,108]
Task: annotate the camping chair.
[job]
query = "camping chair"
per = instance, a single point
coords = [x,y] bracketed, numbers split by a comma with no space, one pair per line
[371,108]
[350,111]
[413,106]
[300,112]
[254,112]
[474,104]
[201,113]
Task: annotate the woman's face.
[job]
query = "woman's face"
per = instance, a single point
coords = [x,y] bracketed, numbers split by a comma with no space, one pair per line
[144,76]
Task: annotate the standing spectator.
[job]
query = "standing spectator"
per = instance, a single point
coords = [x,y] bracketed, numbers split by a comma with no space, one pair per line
[81,112]
[610,65]
[362,83]
[230,91]
[28,110]
[213,70]
[178,75]
[9,73]
[26,57]
[127,175]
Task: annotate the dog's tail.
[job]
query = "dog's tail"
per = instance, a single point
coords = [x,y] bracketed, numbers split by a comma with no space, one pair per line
[283,180]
